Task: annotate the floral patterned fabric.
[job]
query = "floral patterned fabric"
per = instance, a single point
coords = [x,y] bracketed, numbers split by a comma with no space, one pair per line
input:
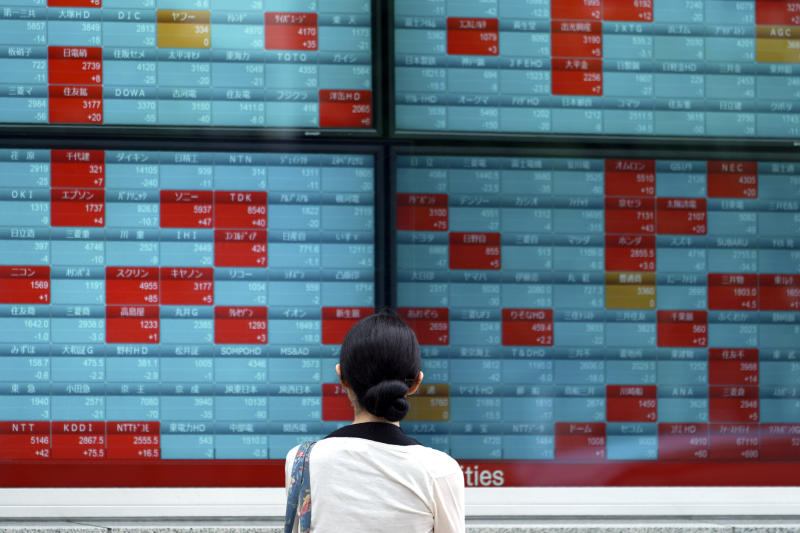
[298,503]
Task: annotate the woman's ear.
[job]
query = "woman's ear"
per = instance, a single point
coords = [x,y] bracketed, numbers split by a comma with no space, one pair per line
[416,384]
[339,373]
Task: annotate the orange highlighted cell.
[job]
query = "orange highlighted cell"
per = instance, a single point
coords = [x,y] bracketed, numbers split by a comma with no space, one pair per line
[183,29]
[431,403]
[630,290]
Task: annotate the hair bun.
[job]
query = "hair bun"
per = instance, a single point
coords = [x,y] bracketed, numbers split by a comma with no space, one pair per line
[387,400]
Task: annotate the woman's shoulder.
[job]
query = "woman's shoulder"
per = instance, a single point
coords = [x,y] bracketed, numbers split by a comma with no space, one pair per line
[436,462]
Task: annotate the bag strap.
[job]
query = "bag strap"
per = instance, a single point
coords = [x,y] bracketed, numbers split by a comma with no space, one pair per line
[298,503]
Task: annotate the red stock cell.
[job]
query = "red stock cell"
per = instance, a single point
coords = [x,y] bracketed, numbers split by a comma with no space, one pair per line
[779,442]
[422,212]
[74,104]
[779,292]
[571,38]
[132,286]
[681,216]
[85,441]
[431,324]
[25,440]
[630,215]
[678,329]
[630,177]
[336,405]
[577,77]
[630,253]
[240,209]
[527,327]
[576,9]
[132,324]
[24,284]
[631,403]
[83,169]
[732,179]
[473,36]
[242,248]
[628,10]
[291,31]
[475,251]
[734,442]
[345,109]
[68,65]
[240,325]
[78,207]
[777,12]
[683,442]
[74,3]
[187,286]
[733,366]
[578,441]
[733,292]
[337,321]
[187,209]
[139,441]
[733,404]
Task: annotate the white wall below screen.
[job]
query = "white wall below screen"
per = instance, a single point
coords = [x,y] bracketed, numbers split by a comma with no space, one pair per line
[27,504]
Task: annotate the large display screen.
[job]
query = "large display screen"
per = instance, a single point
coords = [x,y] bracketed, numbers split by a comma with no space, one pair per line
[170,318]
[605,67]
[605,321]
[259,63]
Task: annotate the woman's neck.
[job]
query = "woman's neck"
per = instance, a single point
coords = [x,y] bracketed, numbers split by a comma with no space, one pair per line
[362,416]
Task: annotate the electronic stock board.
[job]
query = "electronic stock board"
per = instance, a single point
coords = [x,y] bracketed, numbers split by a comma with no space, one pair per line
[164,307]
[172,317]
[303,64]
[693,68]
[605,320]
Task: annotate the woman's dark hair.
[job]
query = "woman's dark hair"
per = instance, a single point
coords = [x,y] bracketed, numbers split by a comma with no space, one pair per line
[380,360]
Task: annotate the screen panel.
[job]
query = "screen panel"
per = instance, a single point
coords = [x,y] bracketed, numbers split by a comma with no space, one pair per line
[598,321]
[597,67]
[172,318]
[303,64]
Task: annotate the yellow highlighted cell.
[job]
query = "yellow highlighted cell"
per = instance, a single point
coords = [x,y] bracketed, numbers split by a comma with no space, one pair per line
[184,29]
[630,278]
[630,296]
[777,32]
[778,50]
[630,290]
[430,404]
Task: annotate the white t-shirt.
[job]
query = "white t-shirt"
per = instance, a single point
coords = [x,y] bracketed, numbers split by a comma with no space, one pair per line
[372,478]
